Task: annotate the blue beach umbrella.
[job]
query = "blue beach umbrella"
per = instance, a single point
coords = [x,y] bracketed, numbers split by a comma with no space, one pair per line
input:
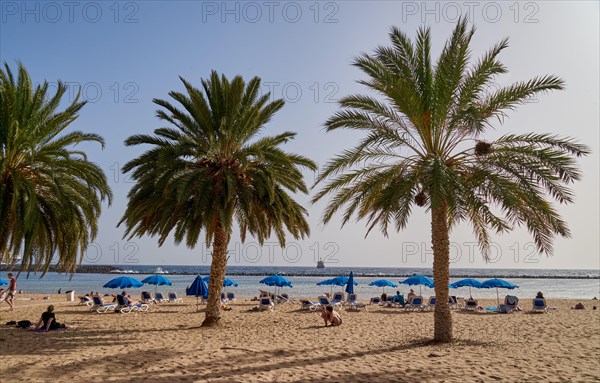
[198,289]
[337,281]
[498,284]
[383,283]
[122,283]
[467,282]
[3,282]
[350,284]
[157,280]
[277,281]
[226,282]
[419,280]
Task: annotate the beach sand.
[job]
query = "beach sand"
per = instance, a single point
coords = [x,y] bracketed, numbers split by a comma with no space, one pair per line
[167,344]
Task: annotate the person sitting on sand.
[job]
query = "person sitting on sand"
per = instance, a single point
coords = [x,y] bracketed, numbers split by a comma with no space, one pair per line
[48,321]
[578,306]
[329,315]
[539,295]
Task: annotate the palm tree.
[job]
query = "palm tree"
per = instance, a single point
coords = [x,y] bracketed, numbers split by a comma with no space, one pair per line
[209,169]
[424,146]
[50,194]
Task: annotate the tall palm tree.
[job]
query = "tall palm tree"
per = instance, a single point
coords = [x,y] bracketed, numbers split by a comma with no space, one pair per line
[210,169]
[50,193]
[424,146]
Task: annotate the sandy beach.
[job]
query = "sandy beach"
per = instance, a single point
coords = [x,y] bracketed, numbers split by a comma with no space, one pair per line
[167,344]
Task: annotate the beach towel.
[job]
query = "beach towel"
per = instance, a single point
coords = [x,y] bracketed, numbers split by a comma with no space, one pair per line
[52,329]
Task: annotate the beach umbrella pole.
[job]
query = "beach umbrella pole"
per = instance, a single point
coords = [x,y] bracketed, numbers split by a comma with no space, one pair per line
[497,298]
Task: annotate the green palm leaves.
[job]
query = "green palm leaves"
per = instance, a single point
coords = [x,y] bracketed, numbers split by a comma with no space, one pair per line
[209,167]
[50,194]
[421,131]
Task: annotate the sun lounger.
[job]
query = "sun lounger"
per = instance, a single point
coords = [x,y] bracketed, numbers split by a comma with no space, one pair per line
[100,307]
[85,301]
[539,305]
[266,304]
[309,305]
[324,301]
[159,298]
[453,302]
[338,298]
[174,299]
[287,298]
[511,303]
[430,303]
[375,301]
[471,305]
[126,308]
[147,298]
[414,303]
[230,297]
[354,304]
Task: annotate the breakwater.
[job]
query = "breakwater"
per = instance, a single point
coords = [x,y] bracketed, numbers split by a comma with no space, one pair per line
[86,269]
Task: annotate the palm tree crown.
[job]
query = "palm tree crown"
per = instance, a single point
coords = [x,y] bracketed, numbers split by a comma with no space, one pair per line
[424,146]
[50,194]
[209,169]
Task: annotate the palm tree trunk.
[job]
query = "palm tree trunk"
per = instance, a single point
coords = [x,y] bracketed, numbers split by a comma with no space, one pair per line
[218,268]
[441,274]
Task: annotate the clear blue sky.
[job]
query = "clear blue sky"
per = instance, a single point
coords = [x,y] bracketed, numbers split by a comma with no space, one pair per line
[124,54]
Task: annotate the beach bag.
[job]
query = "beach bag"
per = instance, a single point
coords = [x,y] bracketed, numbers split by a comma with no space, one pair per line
[24,324]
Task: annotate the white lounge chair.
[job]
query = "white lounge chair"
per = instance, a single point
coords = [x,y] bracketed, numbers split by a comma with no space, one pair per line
[414,303]
[338,298]
[230,297]
[375,301]
[100,307]
[354,304]
[539,305]
[174,299]
[324,301]
[266,304]
[309,305]
[430,303]
[126,308]
[471,305]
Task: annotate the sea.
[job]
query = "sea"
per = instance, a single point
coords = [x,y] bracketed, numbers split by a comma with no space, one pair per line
[563,284]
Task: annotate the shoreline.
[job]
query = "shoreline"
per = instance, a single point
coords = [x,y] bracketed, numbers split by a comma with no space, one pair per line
[109,269]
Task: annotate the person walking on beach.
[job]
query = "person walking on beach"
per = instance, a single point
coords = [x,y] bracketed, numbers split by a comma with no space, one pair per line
[12,290]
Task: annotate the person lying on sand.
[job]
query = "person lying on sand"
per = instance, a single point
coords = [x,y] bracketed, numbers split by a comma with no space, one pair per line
[329,315]
[578,306]
[48,321]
